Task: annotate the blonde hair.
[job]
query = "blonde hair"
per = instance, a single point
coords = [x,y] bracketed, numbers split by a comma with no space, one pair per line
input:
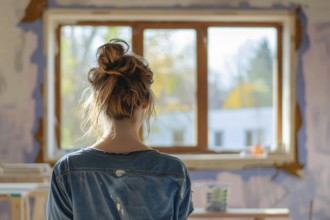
[119,85]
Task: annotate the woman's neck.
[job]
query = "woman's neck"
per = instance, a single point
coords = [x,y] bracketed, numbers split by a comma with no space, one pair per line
[123,137]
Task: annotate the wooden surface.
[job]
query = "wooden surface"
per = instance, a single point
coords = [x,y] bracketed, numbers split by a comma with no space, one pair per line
[19,188]
[18,194]
[24,173]
[243,213]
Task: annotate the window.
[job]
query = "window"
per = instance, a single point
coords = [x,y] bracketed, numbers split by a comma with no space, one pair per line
[178,137]
[172,56]
[241,91]
[215,74]
[78,44]
[254,137]
[218,139]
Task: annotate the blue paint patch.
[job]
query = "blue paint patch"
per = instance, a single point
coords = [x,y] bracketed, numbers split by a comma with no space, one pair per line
[245,174]
[301,136]
[204,174]
[52,3]
[39,59]
[227,6]
[281,6]
[244,4]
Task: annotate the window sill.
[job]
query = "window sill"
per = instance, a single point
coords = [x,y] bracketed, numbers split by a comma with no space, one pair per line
[232,161]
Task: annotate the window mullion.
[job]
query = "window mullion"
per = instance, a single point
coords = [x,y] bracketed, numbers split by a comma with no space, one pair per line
[279,88]
[137,47]
[58,96]
[137,39]
[202,98]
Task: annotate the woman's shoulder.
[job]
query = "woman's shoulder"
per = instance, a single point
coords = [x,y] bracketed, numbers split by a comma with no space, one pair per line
[64,162]
[148,160]
[169,158]
[170,163]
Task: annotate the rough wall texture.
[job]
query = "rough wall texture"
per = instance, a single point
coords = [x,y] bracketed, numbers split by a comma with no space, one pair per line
[18,77]
[21,73]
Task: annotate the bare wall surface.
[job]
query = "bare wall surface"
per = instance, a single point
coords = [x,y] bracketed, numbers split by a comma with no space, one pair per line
[17,83]
[21,73]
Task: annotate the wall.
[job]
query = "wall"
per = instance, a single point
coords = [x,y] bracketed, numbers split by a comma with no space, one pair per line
[21,74]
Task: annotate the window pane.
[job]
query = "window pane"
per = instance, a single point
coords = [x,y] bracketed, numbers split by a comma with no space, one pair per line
[218,136]
[172,57]
[253,137]
[78,55]
[240,85]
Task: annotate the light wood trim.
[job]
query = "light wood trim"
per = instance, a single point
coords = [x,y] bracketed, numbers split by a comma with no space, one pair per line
[104,23]
[241,24]
[173,24]
[169,25]
[243,213]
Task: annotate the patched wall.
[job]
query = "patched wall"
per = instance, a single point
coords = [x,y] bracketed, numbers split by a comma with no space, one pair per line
[22,73]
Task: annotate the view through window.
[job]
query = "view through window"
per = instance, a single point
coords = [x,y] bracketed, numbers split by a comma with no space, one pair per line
[241,91]
[240,71]
[77,57]
[172,57]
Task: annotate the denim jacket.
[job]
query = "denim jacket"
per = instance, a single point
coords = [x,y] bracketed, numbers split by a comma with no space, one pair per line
[141,185]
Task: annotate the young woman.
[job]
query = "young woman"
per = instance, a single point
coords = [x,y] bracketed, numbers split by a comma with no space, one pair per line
[119,177]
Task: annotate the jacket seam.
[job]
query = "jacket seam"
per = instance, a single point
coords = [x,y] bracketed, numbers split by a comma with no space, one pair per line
[142,172]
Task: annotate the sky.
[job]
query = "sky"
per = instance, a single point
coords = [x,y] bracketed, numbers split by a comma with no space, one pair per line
[230,46]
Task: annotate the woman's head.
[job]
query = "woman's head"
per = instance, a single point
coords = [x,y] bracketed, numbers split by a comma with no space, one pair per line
[120,86]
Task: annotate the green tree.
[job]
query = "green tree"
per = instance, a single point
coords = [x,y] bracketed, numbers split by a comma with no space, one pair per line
[77,56]
[173,73]
[260,74]
[76,44]
[240,97]
[255,87]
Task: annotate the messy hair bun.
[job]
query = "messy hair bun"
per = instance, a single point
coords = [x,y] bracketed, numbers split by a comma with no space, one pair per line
[120,84]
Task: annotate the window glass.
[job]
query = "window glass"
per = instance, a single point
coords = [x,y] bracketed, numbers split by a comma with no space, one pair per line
[253,137]
[78,55]
[218,136]
[178,137]
[172,57]
[241,89]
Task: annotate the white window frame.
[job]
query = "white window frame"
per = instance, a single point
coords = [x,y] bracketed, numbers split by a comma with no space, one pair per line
[286,152]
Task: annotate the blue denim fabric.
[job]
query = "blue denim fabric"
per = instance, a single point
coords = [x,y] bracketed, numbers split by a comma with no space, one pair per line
[142,185]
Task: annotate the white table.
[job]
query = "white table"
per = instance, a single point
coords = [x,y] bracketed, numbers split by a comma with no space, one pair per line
[18,195]
[256,214]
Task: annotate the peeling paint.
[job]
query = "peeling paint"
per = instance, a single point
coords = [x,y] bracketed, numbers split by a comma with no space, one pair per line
[22,67]
[18,79]
[3,85]
[19,55]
